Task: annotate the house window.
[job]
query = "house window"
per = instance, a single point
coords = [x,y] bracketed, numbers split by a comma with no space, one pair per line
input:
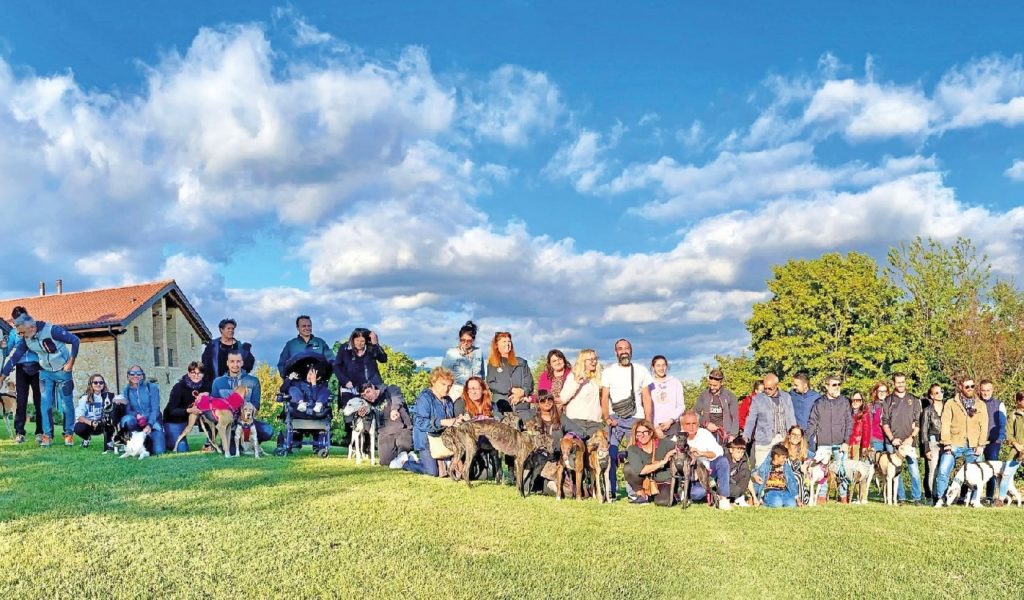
[193,336]
[156,356]
[135,333]
[170,357]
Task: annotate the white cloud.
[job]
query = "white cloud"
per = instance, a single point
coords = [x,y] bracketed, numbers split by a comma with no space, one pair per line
[1016,171]
[583,161]
[515,103]
[867,110]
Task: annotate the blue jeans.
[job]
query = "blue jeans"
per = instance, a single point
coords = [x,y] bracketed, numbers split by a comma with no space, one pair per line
[719,471]
[156,436]
[1008,473]
[842,479]
[427,465]
[946,465]
[615,435]
[878,445]
[57,387]
[171,433]
[914,470]
[778,499]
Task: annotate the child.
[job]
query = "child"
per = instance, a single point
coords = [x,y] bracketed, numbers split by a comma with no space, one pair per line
[860,437]
[739,472]
[775,483]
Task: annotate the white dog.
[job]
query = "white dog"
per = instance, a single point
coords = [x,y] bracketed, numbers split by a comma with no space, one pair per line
[976,475]
[815,473]
[363,426]
[888,467]
[136,446]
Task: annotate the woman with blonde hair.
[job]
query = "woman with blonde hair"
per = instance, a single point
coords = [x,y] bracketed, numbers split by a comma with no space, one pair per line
[580,400]
[432,412]
[648,469]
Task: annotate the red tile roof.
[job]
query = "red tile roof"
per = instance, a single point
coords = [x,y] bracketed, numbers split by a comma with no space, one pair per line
[97,308]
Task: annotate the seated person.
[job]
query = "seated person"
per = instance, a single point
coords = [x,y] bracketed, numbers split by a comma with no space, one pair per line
[648,469]
[704,446]
[775,483]
[739,472]
[431,413]
[307,399]
[143,410]
[89,412]
[394,425]
[181,405]
[223,386]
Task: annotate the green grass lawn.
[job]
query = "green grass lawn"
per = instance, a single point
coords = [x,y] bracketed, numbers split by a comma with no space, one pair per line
[75,523]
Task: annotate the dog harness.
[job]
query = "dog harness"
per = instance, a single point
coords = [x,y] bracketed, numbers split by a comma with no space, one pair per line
[246,431]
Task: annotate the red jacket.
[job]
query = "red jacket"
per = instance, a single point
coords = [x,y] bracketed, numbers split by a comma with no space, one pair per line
[861,434]
[744,410]
[875,412]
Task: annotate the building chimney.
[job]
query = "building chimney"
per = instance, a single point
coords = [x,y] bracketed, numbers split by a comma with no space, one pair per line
[42,288]
[60,286]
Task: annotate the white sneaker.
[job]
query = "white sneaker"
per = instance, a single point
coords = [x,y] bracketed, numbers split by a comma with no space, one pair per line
[301,406]
[723,504]
[319,406]
[399,460]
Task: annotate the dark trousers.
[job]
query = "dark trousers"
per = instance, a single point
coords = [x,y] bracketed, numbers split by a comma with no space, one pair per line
[392,442]
[23,382]
[664,495]
[87,431]
[991,453]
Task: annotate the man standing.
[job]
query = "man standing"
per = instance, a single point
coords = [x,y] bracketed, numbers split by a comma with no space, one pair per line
[996,429]
[624,397]
[56,350]
[803,398]
[901,423]
[704,447]
[964,434]
[305,341]
[828,429]
[716,408]
[226,383]
[215,355]
[771,416]
[26,378]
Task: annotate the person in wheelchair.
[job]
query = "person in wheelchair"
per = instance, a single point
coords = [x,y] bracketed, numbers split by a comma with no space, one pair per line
[306,397]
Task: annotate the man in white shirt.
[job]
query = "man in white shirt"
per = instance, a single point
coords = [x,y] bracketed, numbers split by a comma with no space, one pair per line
[625,396]
[703,445]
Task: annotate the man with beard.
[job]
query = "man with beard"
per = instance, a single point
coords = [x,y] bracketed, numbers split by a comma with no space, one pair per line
[964,434]
[716,408]
[901,423]
[624,397]
[226,383]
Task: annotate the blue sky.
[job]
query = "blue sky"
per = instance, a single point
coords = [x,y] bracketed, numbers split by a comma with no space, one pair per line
[572,173]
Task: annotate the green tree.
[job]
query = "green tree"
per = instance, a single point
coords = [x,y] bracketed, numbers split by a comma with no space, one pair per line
[943,296]
[832,314]
[270,383]
[400,370]
[739,371]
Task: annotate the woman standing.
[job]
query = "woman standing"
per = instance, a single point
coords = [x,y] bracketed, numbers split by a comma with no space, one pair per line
[509,378]
[465,360]
[357,360]
[879,392]
[666,398]
[554,376]
[931,433]
[179,405]
[580,402]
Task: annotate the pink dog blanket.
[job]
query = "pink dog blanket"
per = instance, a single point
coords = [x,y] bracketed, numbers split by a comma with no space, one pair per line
[233,402]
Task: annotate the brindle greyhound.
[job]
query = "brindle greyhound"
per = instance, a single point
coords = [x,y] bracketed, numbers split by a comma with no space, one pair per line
[687,470]
[504,439]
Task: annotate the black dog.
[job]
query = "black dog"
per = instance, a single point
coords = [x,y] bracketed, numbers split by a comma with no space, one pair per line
[110,423]
[688,470]
[532,468]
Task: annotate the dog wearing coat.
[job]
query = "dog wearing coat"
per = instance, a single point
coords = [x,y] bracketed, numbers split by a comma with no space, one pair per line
[205,425]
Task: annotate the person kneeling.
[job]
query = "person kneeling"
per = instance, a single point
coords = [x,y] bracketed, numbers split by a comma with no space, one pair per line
[740,484]
[775,482]
[705,448]
[648,469]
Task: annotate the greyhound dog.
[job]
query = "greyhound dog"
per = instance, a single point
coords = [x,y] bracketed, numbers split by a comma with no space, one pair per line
[688,470]
[504,439]
[975,475]
[600,465]
[888,467]
[573,458]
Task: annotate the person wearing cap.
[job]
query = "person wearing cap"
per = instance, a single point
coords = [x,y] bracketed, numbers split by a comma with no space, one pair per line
[56,350]
[215,355]
[716,408]
[305,341]
[26,378]
[143,412]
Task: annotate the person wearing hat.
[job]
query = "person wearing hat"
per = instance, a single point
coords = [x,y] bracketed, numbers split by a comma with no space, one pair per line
[56,350]
[716,408]
[215,355]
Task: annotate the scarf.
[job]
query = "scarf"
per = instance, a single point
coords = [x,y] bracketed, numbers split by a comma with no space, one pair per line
[192,385]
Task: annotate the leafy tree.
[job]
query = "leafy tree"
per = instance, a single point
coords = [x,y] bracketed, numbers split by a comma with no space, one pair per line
[832,314]
[740,373]
[270,383]
[400,370]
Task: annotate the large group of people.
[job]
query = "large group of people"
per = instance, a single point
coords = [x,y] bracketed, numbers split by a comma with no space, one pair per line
[755,449]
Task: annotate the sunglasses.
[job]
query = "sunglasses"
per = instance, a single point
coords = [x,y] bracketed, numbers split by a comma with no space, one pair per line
[98,382]
[643,432]
[833,385]
[135,373]
[468,340]
[546,400]
[716,378]
[969,387]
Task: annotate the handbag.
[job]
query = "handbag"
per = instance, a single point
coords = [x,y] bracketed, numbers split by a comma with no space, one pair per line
[626,407]
[650,486]
[438,450]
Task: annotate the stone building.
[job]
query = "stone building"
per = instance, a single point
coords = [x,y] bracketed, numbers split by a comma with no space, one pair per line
[149,324]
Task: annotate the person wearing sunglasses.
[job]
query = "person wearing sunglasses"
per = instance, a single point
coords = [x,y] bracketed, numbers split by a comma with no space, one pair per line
[771,416]
[464,360]
[26,379]
[89,411]
[828,429]
[964,434]
[143,413]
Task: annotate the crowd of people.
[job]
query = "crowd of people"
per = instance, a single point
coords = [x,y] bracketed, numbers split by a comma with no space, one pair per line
[755,449]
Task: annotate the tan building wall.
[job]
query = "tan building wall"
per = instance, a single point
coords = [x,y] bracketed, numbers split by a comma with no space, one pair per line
[178,343]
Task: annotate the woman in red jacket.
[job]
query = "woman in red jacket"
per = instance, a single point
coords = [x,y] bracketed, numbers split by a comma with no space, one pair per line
[743,406]
[879,393]
[860,437]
